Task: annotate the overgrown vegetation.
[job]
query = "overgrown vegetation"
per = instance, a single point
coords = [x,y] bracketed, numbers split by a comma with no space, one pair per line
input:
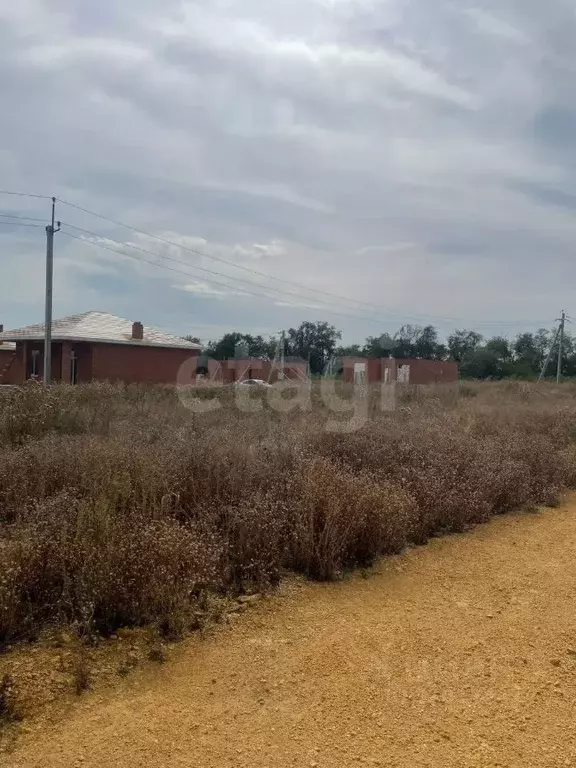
[121,507]
[8,708]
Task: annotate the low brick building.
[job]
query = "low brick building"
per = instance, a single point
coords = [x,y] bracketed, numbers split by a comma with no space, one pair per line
[98,346]
[233,370]
[400,371]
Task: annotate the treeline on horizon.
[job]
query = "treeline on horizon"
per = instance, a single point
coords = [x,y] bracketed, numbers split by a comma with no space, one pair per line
[478,357]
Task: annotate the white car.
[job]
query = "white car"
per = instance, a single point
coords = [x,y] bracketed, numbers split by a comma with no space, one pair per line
[253,384]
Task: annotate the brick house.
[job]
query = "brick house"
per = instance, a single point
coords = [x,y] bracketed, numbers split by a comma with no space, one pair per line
[400,371]
[96,346]
[233,370]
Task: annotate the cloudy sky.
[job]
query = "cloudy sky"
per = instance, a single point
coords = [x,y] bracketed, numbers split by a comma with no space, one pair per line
[367,163]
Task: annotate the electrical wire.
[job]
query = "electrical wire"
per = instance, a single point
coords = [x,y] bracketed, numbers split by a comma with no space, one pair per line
[23,218]
[21,224]
[217,258]
[214,282]
[372,307]
[23,194]
[282,292]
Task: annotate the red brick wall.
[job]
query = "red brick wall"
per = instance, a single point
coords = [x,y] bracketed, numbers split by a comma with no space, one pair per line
[132,364]
[375,368]
[421,371]
[16,372]
[431,371]
[238,370]
[6,356]
[64,372]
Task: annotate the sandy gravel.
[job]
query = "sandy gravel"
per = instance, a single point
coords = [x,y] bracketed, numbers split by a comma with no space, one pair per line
[460,653]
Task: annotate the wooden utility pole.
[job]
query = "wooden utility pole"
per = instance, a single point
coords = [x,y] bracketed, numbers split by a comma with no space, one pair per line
[50,232]
[560,345]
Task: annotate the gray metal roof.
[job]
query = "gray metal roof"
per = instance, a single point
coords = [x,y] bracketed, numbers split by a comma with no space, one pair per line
[98,327]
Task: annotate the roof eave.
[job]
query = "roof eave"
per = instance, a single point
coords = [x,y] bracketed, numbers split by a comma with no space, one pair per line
[90,340]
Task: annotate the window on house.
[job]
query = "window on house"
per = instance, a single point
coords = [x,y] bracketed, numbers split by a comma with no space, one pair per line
[73,367]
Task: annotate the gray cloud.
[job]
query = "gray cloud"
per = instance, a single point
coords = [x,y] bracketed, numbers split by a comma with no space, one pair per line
[305,140]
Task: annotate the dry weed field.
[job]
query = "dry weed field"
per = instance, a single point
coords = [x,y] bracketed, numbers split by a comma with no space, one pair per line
[121,507]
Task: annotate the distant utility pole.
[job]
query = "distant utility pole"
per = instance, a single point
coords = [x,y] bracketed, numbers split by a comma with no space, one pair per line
[560,344]
[559,336]
[50,232]
[282,353]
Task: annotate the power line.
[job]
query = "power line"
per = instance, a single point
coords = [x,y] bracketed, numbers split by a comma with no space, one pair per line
[214,282]
[23,218]
[371,319]
[21,224]
[216,258]
[282,292]
[370,305]
[23,194]
[197,252]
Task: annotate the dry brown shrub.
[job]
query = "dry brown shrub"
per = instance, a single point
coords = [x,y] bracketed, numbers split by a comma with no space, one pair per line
[9,711]
[339,518]
[120,507]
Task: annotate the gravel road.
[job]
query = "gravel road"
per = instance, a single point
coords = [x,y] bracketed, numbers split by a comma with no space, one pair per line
[461,653]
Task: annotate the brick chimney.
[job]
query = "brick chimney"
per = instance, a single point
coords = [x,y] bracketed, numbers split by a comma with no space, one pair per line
[137,331]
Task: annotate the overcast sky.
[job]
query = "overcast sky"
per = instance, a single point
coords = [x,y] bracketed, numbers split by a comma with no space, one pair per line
[414,157]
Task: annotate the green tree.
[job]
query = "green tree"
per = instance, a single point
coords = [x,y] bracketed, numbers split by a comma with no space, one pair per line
[406,341]
[530,351]
[373,348]
[426,345]
[233,344]
[500,346]
[526,354]
[315,342]
[463,342]
[409,341]
[480,363]
[353,350]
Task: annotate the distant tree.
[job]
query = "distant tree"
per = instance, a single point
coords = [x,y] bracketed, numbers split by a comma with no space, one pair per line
[530,351]
[409,341]
[481,363]
[526,353]
[500,346]
[568,367]
[441,353]
[373,348]
[426,343]
[462,343]
[353,350]
[315,342]
[193,339]
[406,341]
[234,343]
[543,339]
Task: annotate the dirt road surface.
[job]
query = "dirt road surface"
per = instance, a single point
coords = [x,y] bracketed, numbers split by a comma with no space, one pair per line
[461,653]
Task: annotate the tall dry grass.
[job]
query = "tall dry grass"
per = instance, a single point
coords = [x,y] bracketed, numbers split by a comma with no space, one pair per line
[118,506]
